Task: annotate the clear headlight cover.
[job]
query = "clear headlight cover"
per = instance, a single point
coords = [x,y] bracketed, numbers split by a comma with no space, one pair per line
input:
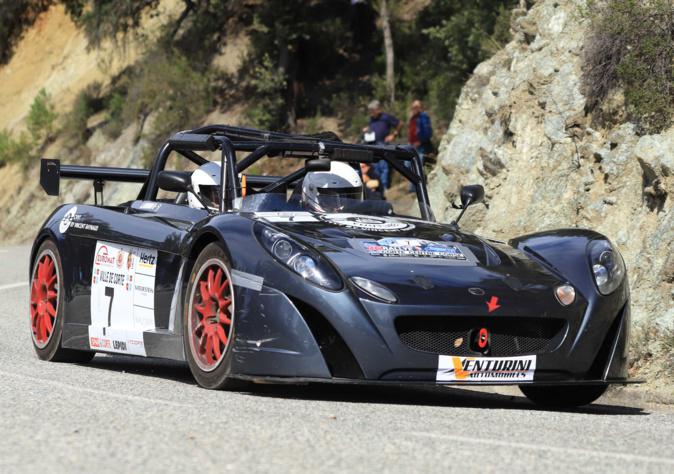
[298,258]
[374,289]
[607,266]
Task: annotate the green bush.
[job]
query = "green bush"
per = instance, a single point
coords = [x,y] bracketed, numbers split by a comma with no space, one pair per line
[41,118]
[630,46]
[87,103]
[15,150]
[267,90]
[166,86]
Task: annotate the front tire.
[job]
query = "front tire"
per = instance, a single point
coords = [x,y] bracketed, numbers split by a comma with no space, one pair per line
[208,322]
[47,307]
[563,396]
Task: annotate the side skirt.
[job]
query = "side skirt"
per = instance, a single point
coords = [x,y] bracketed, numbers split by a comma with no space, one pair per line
[155,343]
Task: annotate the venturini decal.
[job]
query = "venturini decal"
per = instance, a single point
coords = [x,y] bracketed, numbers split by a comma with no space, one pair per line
[485,369]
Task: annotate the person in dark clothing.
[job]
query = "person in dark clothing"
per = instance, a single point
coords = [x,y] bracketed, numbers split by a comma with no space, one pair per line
[419,132]
[386,128]
[372,188]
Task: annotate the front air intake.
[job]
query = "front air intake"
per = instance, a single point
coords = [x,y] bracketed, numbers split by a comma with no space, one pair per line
[337,355]
[452,335]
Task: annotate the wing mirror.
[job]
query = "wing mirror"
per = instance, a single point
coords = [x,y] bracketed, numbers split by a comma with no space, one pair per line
[174,181]
[470,194]
[179,182]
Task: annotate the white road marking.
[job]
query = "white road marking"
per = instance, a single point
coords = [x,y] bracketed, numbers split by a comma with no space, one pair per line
[554,449]
[13,285]
[104,393]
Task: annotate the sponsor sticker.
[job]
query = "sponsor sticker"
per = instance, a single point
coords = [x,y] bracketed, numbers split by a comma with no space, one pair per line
[286,216]
[371,223]
[485,369]
[72,219]
[122,297]
[412,248]
[67,219]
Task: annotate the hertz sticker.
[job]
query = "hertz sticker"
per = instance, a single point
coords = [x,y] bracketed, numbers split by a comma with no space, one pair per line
[485,369]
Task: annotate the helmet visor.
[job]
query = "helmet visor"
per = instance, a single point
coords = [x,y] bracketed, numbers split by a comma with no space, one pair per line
[211,194]
[336,199]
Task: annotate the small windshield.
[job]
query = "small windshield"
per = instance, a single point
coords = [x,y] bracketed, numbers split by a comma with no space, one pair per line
[277,202]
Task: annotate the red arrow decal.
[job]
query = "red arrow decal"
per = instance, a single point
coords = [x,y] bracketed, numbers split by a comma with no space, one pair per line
[492,304]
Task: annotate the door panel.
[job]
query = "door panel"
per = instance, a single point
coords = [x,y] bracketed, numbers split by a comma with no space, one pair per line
[122,276]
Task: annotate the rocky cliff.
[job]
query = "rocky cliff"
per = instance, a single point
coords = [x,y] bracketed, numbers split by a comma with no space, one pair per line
[521,129]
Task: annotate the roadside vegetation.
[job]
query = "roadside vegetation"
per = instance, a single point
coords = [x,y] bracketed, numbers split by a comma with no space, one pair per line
[328,61]
[631,49]
[41,125]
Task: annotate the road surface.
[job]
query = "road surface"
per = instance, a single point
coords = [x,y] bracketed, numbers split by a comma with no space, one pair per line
[119,414]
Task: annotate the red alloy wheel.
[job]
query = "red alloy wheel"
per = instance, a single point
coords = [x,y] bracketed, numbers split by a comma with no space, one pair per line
[43,300]
[211,315]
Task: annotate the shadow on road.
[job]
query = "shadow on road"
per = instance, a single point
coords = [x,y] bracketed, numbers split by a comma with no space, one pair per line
[427,396]
[390,394]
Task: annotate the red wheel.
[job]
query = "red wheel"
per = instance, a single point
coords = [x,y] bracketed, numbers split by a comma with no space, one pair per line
[209,324]
[44,298]
[211,313]
[47,307]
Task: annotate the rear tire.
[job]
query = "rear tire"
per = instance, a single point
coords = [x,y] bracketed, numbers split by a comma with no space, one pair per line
[208,320]
[563,396]
[46,307]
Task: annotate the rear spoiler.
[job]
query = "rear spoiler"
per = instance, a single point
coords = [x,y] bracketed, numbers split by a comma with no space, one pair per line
[51,172]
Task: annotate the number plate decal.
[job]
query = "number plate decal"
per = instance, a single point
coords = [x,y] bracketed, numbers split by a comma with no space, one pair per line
[122,297]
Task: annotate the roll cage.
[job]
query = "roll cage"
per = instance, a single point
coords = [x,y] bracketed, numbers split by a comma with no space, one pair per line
[259,144]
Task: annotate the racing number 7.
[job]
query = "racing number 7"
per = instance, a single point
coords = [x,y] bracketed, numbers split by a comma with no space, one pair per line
[109,292]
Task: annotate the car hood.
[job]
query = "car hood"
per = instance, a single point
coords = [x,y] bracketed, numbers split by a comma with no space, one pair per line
[424,262]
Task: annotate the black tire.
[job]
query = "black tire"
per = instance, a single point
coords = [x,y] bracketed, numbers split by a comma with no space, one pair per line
[215,376]
[48,347]
[563,396]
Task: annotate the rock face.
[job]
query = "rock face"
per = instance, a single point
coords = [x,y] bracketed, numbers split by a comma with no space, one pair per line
[521,130]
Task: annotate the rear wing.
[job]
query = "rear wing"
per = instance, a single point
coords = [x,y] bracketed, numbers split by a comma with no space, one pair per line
[52,171]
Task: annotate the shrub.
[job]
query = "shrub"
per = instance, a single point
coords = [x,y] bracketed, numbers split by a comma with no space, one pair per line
[167,86]
[15,150]
[267,87]
[86,104]
[41,117]
[630,46]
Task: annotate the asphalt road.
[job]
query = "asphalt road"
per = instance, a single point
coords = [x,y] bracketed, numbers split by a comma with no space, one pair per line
[119,414]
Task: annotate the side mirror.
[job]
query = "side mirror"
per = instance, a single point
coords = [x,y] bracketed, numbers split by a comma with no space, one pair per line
[471,194]
[174,181]
[317,164]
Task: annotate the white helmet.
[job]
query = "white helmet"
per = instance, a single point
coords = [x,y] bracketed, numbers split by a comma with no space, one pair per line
[328,191]
[206,183]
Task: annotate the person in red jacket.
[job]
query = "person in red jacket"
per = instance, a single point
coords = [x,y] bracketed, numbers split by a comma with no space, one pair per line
[419,131]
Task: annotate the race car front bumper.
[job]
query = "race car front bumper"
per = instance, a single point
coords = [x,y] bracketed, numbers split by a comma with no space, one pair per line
[315,335]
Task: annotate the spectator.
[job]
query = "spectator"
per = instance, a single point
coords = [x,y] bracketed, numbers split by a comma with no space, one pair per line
[386,128]
[420,132]
[372,188]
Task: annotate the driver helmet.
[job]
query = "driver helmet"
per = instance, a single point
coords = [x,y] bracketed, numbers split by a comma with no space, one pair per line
[206,183]
[330,191]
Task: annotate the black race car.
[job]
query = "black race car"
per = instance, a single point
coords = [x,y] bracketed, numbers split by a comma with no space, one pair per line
[256,286]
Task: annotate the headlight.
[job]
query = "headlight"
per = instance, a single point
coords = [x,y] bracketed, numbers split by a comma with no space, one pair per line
[298,258]
[374,289]
[607,266]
